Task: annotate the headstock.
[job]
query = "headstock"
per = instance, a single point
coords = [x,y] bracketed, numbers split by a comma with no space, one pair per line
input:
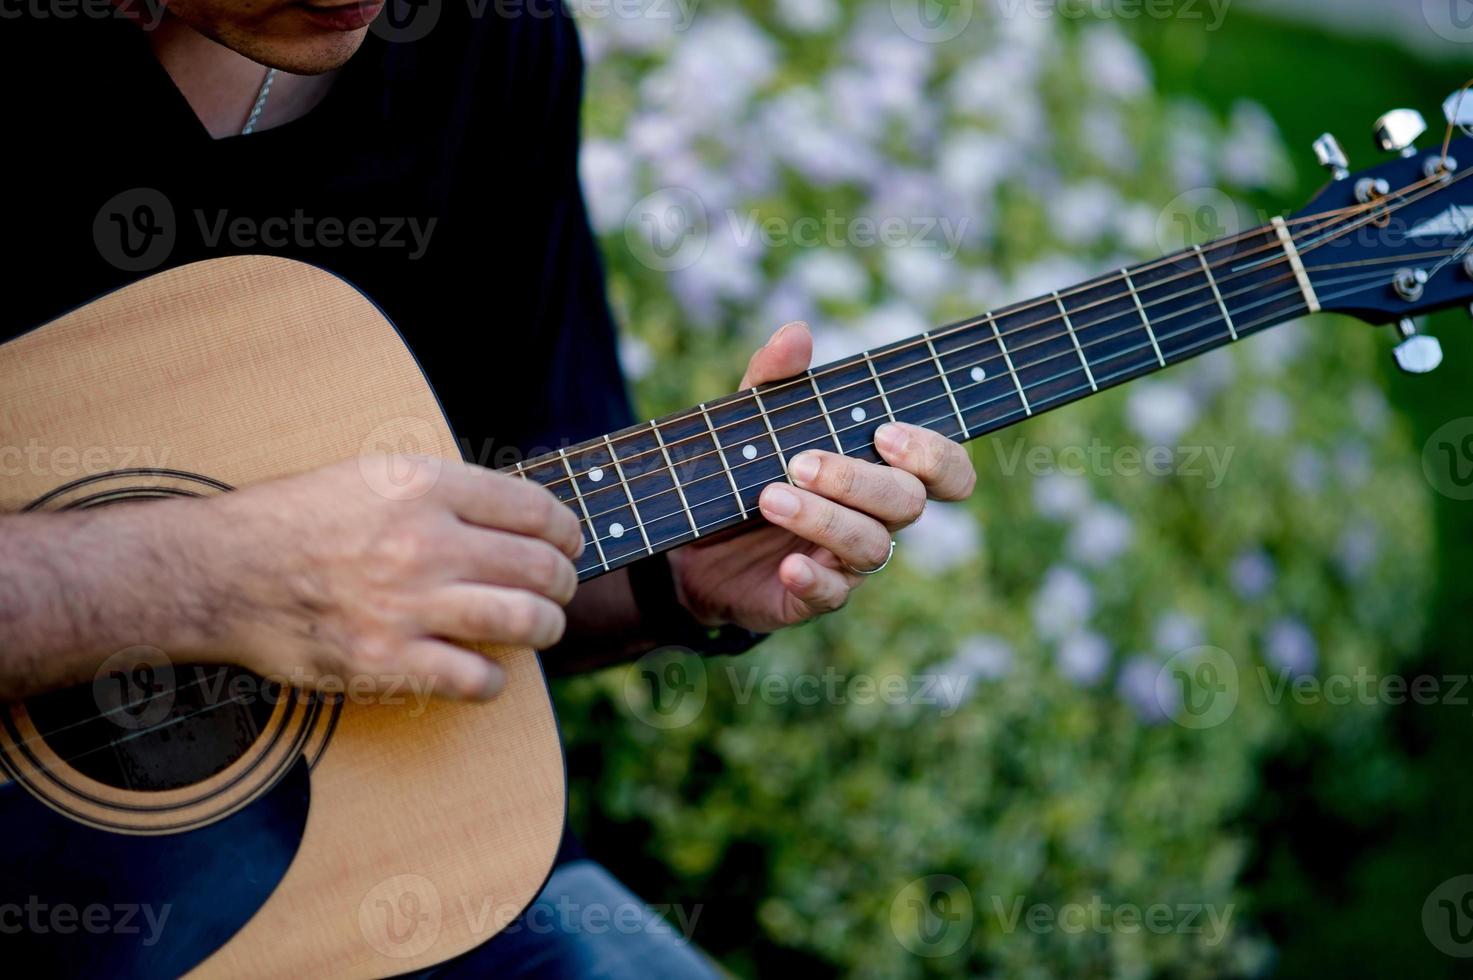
[1395,241]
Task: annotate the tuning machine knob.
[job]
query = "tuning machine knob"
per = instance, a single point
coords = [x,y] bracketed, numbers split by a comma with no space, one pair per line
[1417,353]
[1332,156]
[1399,130]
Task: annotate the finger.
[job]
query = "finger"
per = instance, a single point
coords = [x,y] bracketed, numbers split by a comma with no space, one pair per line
[818,588]
[492,614]
[786,354]
[489,557]
[490,499]
[453,671]
[886,493]
[942,465]
[857,539]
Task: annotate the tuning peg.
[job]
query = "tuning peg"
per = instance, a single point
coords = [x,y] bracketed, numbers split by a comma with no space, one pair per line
[1417,353]
[1399,130]
[1331,156]
[1459,108]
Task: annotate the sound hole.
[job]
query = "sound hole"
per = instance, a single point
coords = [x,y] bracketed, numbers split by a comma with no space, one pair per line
[144,724]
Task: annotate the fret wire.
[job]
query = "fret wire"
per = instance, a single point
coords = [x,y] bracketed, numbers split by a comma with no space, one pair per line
[1326,221]
[1007,359]
[1069,325]
[824,410]
[947,382]
[762,411]
[721,455]
[1144,319]
[1189,350]
[633,507]
[884,399]
[971,325]
[1212,281]
[674,477]
[592,531]
[1256,287]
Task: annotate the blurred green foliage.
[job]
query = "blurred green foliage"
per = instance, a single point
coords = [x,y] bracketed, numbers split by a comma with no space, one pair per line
[1060,776]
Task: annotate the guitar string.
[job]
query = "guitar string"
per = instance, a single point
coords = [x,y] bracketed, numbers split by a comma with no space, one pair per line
[1254,325]
[1369,212]
[635,555]
[1070,355]
[944,417]
[1388,209]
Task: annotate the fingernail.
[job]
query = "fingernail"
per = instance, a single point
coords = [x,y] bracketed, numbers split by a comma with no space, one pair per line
[495,681]
[779,501]
[892,438]
[802,576]
[804,467]
[784,329]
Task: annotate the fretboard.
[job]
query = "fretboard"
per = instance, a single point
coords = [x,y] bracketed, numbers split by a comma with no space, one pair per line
[669,481]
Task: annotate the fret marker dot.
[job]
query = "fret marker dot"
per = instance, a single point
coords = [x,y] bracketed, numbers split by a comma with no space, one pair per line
[616,530]
[596,474]
[978,374]
[749,451]
[858,414]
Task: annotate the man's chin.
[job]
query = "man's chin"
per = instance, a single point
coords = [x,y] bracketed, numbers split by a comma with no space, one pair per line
[307,55]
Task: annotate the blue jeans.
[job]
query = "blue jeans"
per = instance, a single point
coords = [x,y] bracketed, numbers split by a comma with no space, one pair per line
[585,925]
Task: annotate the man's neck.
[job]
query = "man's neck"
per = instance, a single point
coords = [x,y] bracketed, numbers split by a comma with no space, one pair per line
[221,86]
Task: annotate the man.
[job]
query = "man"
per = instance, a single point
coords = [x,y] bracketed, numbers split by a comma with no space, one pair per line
[468,136]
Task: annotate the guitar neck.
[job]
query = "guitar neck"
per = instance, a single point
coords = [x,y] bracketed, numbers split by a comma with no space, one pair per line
[670,481]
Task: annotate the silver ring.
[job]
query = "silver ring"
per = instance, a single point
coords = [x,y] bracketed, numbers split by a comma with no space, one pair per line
[877,569]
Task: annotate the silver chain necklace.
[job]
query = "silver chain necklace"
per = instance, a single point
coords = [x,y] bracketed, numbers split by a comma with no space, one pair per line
[260,105]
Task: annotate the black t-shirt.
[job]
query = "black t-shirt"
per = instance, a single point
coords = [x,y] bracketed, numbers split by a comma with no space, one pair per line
[438,176]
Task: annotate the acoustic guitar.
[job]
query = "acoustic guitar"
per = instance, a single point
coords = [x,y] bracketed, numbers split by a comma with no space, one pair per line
[170,819]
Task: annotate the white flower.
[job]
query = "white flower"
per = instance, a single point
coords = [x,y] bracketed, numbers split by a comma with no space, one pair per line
[1138,687]
[1063,603]
[1368,405]
[1081,213]
[831,274]
[1113,64]
[608,183]
[1270,412]
[1252,574]
[1060,495]
[893,321]
[1161,411]
[1101,535]
[1176,631]
[1307,469]
[972,164]
[944,538]
[920,273]
[1358,549]
[808,16]
[634,356]
[985,656]
[1290,646]
[1253,153]
[1083,657]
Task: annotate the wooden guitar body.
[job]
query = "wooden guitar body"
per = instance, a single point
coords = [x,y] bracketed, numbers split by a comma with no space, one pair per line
[274,832]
